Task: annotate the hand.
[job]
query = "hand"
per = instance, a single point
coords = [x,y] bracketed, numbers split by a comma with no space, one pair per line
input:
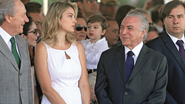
[92,94]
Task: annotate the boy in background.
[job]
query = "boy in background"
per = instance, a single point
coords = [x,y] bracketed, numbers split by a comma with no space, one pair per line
[94,46]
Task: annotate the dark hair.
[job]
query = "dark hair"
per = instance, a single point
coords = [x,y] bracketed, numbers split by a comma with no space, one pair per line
[98,18]
[27,26]
[80,15]
[122,11]
[155,13]
[169,6]
[33,7]
[152,28]
[109,19]
[80,1]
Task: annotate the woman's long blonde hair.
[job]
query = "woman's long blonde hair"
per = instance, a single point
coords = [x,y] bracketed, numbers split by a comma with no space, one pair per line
[52,21]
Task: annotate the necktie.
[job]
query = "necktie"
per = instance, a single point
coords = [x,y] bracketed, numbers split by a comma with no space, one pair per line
[129,63]
[181,49]
[14,51]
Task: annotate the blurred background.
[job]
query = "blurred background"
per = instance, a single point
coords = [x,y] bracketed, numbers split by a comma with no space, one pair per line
[136,3]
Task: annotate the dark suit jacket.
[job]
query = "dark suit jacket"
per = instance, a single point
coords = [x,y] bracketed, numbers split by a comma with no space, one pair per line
[146,85]
[15,83]
[176,68]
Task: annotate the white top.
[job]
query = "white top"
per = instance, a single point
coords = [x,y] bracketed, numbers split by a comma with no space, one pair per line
[174,39]
[64,74]
[93,51]
[136,50]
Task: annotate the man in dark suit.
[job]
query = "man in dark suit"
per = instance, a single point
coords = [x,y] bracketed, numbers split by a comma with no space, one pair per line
[174,20]
[15,69]
[118,81]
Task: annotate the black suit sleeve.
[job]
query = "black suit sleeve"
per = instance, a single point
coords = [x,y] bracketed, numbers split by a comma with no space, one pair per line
[102,84]
[169,98]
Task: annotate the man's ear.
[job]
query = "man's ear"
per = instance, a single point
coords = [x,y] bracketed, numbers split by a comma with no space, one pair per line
[8,18]
[79,4]
[103,32]
[143,33]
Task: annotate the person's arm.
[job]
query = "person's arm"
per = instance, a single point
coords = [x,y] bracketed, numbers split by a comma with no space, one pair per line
[102,84]
[158,95]
[93,53]
[83,82]
[43,75]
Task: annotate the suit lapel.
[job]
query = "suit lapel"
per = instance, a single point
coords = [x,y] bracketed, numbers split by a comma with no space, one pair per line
[142,58]
[172,48]
[7,53]
[120,55]
[20,47]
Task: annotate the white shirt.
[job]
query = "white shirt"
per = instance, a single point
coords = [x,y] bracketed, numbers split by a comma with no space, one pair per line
[136,50]
[6,37]
[93,51]
[174,39]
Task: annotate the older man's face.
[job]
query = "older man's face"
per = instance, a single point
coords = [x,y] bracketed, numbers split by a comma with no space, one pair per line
[130,34]
[18,20]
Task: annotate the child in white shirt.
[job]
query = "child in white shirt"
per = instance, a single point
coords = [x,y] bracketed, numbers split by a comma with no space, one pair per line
[94,46]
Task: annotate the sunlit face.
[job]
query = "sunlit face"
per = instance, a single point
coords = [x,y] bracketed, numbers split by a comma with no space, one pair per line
[150,36]
[175,22]
[89,7]
[37,19]
[112,33]
[94,31]
[130,34]
[68,20]
[19,19]
[31,38]
[108,10]
[80,35]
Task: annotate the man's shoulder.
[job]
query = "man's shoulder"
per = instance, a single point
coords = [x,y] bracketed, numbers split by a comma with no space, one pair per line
[154,54]
[113,50]
[20,39]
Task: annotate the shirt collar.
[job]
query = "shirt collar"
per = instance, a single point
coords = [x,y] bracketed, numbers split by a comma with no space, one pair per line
[174,39]
[136,50]
[6,37]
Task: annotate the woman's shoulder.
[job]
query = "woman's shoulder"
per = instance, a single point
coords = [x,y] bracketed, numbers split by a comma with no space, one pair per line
[41,45]
[79,45]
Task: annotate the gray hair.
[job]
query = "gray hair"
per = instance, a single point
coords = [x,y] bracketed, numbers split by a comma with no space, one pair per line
[6,8]
[142,11]
[143,20]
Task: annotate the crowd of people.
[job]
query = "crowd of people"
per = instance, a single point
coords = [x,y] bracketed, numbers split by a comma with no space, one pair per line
[86,52]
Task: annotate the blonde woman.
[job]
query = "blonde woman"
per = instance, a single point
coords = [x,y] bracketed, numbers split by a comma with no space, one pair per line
[60,60]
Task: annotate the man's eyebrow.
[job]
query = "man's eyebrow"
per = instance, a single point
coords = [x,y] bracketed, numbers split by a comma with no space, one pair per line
[130,26]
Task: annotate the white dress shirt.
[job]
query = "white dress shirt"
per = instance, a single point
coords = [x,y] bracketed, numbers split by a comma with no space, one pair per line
[136,50]
[174,39]
[93,51]
[6,37]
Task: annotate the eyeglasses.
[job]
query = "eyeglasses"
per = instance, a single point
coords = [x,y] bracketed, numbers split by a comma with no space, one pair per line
[80,27]
[35,31]
[91,1]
